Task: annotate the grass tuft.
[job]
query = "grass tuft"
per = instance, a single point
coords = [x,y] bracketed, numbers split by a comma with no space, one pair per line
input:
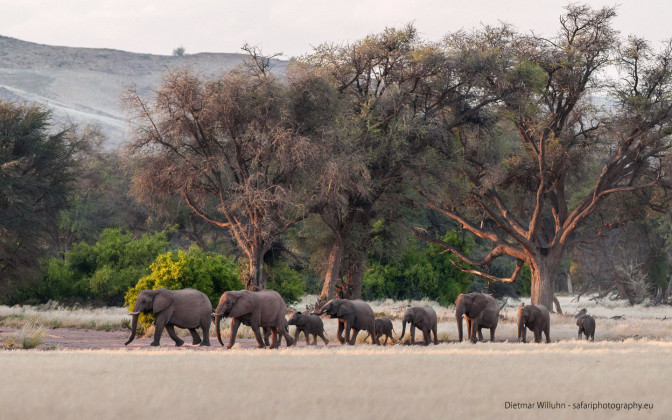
[30,336]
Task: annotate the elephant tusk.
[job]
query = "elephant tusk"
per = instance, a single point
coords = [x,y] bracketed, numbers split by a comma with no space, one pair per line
[134,313]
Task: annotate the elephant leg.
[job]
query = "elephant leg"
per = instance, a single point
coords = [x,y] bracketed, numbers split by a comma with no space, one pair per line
[436,338]
[341,327]
[284,332]
[348,327]
[206,333]
[171,332]
[353,339]
[235,323]
[307,337]
[480,333]
[412,334]
[537,335]
[159,325]
[296,335]
[314,339]
[425,336]
[492,335]
[321,334]
[469,322]
[195,338]
[267,333]
[547,333]
[257,335]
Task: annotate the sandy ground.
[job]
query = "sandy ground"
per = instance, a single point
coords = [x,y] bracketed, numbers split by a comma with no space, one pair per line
[448,381]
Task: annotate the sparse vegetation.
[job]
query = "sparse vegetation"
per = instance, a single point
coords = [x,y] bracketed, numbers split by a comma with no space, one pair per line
[30,336]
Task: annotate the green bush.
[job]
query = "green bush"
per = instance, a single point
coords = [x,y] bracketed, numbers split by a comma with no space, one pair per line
[420,272]
[103,271]
[212,274]
[286,281]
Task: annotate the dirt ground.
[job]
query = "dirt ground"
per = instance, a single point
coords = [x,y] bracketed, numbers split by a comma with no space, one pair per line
[81,339]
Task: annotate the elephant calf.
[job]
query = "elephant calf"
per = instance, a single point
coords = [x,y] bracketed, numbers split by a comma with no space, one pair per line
[308,325]
[535,318]
[424,318]
[586,324]
[384,326]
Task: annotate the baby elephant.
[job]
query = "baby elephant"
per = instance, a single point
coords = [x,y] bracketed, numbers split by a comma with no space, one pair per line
[586,324]
[308,324]
[383,326]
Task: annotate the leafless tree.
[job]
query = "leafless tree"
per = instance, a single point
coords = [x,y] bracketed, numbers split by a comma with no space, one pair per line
[229,148]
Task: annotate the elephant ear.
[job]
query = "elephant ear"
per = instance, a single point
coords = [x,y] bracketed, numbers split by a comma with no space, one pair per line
[532,314]
[162,301]
[245,304]
[478,305]
[344,309]
[302,320]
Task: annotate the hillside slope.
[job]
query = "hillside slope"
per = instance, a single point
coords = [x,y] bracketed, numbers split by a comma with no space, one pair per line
[84,85]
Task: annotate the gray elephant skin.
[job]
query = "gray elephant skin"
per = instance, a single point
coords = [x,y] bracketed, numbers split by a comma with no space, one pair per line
[421,317]
[480,311]
[262,309]
[308,324]
[384,327]
[535,318]
[355,315]
[586,324]
[186,308]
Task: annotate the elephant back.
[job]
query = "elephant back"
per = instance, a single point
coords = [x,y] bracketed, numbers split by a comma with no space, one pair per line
[364,317]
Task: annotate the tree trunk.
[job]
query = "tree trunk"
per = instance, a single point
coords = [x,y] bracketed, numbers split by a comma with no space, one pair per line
[668,290]
[568,277]
[356,274]
[334,270]
[543,269]
[257,278]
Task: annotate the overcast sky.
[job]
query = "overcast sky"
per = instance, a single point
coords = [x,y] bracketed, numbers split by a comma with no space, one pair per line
[288,26]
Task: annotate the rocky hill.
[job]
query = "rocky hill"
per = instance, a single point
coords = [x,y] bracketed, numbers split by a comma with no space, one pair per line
[84,85]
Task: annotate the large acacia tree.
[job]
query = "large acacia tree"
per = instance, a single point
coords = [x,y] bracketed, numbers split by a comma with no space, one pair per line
[229,149]
[538,179]
[393,90]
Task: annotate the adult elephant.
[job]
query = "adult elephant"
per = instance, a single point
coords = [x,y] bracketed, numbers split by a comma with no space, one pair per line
[186,308]
[262,309]
[535,318]
[480,311]
[355,315]
[421,317]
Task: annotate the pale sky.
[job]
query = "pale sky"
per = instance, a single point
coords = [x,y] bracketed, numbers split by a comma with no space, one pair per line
[288,26]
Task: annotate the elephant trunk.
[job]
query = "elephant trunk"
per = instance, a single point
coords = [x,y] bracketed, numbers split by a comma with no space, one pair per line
[134,326]
[403,329]
[218,317]
[521,331]
[459,316]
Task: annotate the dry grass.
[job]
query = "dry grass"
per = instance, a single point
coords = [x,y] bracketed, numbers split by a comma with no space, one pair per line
[445,381]
[30,336]
[53,315]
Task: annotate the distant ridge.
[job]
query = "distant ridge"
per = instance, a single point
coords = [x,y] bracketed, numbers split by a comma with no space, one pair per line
[84,85]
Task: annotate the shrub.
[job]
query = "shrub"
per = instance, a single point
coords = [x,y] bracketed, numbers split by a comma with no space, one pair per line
[420,272]
[212,274]
[103,271]
[286,281]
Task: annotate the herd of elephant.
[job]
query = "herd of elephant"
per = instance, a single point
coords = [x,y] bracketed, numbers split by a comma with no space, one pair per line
[266,311]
